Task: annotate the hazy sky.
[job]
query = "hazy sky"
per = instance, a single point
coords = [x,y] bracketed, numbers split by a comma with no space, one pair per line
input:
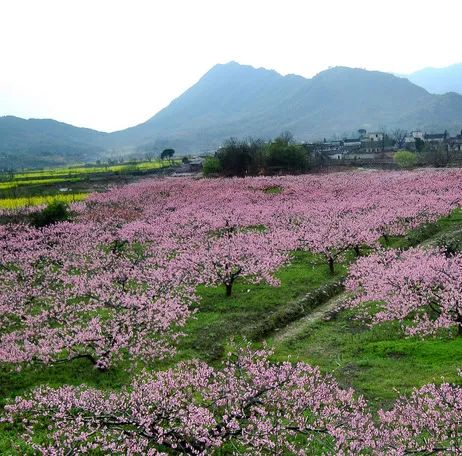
[110,64]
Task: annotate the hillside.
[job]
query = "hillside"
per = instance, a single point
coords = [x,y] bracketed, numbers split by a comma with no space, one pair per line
[44,142]
[439,80]
[239,100]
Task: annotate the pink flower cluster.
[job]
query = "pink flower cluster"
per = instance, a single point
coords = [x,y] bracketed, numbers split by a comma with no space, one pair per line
[120,279]
[75,290]
[326,214]
[250,406]
[423,286]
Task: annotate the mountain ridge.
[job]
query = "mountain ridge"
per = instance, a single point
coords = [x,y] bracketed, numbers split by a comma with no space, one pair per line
[439,80]
[239,100]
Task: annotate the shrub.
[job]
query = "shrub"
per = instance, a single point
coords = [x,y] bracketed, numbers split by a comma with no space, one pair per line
[211,166]
[435,155]
[57,211]
[286,157]
[405,159]
[451,244]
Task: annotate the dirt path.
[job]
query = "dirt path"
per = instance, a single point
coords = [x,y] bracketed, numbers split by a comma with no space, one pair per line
[297,327]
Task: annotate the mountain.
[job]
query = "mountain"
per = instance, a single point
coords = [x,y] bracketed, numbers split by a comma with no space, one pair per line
[46,142]
[227,101]
[239,100]
[439,80]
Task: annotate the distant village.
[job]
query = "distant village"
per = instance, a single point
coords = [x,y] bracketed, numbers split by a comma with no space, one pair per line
[381,146]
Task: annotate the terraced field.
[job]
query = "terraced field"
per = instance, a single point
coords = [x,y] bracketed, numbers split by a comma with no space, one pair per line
[70,184]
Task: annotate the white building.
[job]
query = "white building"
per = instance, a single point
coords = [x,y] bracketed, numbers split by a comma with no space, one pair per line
[435,137]
[375,136]
[417,134]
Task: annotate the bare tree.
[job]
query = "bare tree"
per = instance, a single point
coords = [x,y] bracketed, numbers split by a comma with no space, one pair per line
[399,136]
[286,137]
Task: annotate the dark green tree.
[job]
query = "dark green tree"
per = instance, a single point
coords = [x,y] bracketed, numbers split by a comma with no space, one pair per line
[167,153]
[286,156]
[419,144]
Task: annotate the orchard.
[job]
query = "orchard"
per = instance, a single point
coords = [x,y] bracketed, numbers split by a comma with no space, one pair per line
[120,284]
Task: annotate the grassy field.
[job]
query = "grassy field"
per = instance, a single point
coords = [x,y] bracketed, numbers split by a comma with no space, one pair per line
[35,187]
[15,183]
[220,318]
[378,362]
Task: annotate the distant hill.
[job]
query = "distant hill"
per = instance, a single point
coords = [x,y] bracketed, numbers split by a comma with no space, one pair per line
[239,100]
[439,80]
[43,142]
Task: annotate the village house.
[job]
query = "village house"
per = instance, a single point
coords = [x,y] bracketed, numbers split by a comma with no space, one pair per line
[375,136]
[436,137]
[417,134]
[410,138]
[379,146]
[352,144]
[455,143]
[329,148]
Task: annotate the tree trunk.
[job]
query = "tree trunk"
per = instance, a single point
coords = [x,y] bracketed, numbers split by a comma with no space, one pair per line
[90,358]
[330,261]
[385,238]
[229,288]
[356,250]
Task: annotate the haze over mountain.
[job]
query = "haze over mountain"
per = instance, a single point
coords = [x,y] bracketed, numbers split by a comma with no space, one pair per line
[239,100]
[439,80]
[46,142]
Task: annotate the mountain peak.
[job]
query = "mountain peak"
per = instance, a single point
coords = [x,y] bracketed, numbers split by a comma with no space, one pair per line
[234,68]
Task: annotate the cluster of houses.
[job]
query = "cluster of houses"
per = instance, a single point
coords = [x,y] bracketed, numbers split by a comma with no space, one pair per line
[379,145]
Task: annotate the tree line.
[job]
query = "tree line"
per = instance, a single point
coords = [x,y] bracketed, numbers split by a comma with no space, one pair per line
[252,157]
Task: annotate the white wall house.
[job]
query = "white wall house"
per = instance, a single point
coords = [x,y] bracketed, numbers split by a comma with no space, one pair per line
[435,137]
[352,142]
[375,136]
[417,134]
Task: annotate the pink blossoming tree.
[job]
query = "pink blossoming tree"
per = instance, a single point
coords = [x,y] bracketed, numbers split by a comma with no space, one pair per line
[426,423]
[253,405]
[231,253]
[72,291]
[419,285]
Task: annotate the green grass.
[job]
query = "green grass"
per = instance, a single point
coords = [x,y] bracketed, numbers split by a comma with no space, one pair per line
[378,362]
[31,182]
[220,318]
[76,171]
